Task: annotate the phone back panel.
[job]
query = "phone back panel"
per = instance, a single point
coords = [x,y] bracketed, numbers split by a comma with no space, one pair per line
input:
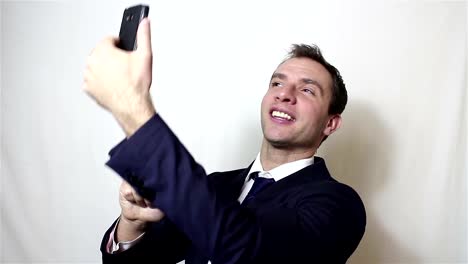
[130,20]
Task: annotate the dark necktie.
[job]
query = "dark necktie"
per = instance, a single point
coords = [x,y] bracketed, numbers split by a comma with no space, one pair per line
[259,184]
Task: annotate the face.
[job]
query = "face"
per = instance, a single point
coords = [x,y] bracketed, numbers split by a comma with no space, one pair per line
[294,110]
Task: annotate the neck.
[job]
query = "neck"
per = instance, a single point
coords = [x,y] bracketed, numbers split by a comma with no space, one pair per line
[272,157]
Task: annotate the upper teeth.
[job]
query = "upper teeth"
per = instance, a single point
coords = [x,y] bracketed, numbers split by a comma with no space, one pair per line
[281,114]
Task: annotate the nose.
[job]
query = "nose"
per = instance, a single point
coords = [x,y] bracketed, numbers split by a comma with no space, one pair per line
[286,95]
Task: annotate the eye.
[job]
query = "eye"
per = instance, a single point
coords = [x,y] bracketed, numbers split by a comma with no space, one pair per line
[309,91]
[276,84]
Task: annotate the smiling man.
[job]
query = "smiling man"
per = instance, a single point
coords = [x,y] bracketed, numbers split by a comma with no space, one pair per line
[282,208]
[301,107]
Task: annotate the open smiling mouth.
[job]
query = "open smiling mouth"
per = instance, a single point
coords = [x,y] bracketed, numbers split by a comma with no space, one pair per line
[282,116]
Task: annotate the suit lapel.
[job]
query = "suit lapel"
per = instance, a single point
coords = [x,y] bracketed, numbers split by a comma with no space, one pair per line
[229,184]
[313,173]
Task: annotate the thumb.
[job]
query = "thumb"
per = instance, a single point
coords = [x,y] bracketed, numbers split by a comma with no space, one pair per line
[151,214]
[144,37]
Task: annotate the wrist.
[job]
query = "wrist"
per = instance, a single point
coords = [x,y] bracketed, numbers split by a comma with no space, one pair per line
[128,230]
[135,116]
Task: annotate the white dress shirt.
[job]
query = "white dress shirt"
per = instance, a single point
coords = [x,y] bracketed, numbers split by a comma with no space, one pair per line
[277,173]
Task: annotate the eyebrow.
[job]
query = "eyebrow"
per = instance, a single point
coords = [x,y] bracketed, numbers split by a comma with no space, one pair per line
[279,76]
[283,76]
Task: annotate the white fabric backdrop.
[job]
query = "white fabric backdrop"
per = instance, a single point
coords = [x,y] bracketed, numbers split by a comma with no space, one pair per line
[403,145]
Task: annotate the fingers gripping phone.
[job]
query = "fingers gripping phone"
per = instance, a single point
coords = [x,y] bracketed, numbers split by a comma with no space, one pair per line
[131,18]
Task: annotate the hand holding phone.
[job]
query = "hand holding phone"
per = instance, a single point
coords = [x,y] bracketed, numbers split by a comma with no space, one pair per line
[120,81]
[131,18]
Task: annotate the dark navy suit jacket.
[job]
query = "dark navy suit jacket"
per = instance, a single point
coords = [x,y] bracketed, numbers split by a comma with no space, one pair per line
[307,217]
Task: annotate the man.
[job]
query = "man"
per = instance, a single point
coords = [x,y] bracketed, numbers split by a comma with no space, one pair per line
[284,208]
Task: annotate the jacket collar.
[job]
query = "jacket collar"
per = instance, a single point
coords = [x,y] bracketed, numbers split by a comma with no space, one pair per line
[316,172]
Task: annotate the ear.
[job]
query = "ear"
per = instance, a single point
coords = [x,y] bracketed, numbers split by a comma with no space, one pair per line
[334,122]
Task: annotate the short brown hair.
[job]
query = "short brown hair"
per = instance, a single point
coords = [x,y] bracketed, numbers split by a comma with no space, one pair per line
[339,96]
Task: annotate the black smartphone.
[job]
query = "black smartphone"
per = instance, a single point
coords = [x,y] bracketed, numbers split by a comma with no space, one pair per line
[131,18]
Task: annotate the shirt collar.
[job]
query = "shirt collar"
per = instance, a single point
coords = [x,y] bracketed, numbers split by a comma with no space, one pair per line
[281,171]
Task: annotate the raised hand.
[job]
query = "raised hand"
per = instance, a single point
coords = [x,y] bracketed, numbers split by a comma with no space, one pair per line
[120,81]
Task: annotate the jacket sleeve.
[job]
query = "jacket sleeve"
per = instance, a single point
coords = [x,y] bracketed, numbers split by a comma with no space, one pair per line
[162,243]
[159,167]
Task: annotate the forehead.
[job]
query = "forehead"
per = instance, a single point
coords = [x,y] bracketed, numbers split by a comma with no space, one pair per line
[306,68]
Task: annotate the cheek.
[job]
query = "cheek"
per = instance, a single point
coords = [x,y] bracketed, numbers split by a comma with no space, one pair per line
[308,107]
[265,103]
[315,115]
